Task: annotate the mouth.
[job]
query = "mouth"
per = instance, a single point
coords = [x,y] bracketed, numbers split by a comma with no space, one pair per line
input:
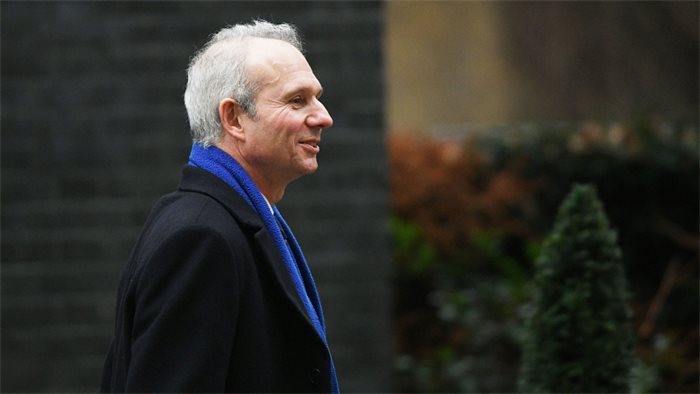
[311,145]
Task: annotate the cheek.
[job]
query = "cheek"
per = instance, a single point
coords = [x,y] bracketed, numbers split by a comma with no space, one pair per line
[288,122]
[280,133]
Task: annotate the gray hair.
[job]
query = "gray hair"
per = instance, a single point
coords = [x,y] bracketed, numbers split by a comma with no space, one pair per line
[218,71]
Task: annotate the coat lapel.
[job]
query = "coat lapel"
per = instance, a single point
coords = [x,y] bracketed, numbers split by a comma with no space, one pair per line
[272,255]
[200,181]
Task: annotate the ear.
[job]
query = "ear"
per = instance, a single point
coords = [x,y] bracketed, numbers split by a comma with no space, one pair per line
[230,116]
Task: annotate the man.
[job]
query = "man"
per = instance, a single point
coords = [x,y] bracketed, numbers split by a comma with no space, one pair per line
[217,296]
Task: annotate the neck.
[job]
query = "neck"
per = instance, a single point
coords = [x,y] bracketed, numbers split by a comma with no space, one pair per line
[272,190]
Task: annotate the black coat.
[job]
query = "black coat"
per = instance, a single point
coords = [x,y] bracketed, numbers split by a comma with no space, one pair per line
[206,305]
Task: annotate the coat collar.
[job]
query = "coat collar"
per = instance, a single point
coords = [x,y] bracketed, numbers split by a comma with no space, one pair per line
[201,181]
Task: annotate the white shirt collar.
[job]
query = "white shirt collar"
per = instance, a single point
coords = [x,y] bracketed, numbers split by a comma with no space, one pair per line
[268,204]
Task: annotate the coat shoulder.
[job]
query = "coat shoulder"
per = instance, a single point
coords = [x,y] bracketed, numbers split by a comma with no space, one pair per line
[185,211]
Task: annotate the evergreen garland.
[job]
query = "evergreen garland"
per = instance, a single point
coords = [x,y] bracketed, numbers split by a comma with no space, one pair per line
[579,337]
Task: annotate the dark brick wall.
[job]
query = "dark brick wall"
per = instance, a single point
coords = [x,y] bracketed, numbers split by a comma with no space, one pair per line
[94,130]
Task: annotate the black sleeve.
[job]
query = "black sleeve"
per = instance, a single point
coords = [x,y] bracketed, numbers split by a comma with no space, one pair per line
[185,315]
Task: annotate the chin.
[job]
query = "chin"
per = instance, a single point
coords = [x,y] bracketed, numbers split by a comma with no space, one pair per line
[310,168]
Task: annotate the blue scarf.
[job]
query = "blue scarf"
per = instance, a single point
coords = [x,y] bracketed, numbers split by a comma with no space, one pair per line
[226,168]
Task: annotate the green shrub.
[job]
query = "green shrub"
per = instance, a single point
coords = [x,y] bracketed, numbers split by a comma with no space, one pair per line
[579,337]
[470,217]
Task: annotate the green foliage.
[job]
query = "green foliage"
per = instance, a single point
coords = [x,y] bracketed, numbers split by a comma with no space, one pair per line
[412,250]
[470,220]
[579,337]
[459,332]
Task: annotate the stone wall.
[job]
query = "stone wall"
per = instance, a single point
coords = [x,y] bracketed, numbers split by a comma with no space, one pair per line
[94,130]
[461,64]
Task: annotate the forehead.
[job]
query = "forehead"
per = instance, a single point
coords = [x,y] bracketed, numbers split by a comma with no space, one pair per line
[274,63]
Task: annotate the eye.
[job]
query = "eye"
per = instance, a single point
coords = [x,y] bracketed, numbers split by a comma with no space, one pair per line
[297,101]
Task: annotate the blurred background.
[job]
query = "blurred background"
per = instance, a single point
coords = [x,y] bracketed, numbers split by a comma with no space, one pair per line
[459,127]
[494,110]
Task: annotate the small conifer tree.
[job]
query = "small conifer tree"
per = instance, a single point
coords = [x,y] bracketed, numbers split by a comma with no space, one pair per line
[579,337]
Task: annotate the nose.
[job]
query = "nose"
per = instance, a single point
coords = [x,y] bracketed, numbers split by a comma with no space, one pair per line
[320,117]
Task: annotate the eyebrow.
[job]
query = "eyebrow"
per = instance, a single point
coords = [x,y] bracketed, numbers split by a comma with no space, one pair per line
[304,88]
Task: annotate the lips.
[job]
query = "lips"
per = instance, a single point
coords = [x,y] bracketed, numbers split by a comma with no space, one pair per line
[311,144]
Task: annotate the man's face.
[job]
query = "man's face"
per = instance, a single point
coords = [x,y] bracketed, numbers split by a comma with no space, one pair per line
[282,141]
